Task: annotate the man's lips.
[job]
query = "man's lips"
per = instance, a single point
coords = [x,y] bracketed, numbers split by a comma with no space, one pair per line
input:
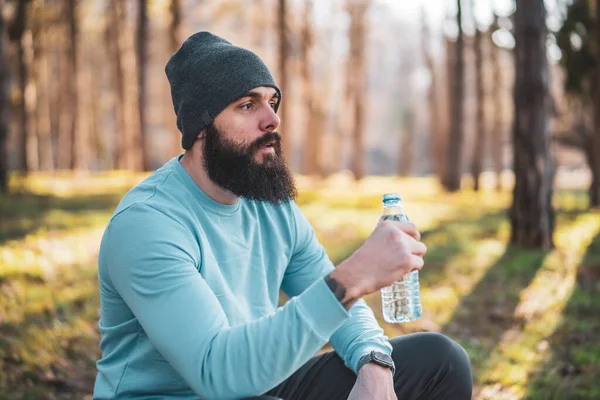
[268,146]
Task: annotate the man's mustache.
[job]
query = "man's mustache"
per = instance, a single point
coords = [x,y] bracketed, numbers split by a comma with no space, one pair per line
[270,137]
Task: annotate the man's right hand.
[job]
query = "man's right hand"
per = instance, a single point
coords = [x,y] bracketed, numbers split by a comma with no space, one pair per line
[391,251]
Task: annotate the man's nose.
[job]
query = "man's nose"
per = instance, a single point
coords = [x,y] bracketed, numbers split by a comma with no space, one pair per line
[269,120]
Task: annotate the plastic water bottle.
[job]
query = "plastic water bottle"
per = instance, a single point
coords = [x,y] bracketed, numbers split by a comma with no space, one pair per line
[402,300]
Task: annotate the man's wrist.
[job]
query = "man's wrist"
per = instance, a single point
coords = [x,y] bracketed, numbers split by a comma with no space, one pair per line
[372,368]
[343,286]
[378,359]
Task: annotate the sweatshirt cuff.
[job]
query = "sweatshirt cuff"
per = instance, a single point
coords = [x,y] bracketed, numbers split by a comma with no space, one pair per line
[321,309]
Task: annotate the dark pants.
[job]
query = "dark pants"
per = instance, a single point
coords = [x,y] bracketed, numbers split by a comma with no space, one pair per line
[428,366]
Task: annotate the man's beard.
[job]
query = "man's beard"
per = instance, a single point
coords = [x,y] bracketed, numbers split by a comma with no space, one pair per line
[234,167]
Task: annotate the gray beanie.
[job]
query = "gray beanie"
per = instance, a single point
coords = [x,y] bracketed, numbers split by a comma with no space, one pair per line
[207,74]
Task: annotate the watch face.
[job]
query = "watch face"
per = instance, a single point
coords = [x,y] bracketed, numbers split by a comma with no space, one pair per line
[382,358]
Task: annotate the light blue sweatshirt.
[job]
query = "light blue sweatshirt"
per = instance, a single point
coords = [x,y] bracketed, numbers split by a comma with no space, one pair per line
[189,293]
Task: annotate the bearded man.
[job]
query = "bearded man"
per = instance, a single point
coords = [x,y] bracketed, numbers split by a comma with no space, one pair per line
[193,260]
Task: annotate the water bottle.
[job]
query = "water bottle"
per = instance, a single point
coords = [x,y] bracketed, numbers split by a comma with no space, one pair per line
[401,302]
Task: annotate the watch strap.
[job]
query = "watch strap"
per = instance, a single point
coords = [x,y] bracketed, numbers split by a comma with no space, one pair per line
[376,357]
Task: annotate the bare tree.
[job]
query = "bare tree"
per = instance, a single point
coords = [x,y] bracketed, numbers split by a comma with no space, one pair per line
[532,215]
[142,55]
[455,140]
[595,137]
[113,32]
[446,105]
[42,110]
[498,125]
[481,131]
[312,132]
[73,103]
[16,33]
[406,150]
[174,43]
[92,89]
[3,108]
[356,87]
[284,83]
[134,151]
[82,152]
[258,22]
[435,120]
[68,100]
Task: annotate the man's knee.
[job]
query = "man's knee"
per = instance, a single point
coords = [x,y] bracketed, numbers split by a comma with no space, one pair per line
[435,351]
[435,344]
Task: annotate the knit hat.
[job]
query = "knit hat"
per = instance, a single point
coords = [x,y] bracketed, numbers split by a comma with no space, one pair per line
[207,74]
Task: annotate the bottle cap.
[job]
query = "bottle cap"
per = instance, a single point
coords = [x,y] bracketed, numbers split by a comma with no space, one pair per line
[391,197]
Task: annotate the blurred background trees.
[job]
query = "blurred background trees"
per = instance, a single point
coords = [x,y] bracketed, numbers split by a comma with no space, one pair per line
[371,87]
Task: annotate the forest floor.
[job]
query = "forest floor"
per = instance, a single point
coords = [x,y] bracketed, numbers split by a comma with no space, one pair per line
[528,319]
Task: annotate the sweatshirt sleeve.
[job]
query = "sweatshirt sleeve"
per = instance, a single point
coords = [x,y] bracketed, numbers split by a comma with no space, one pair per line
[151,260]
[359,334]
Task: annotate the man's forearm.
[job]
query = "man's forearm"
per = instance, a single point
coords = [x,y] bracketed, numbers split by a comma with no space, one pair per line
[361,333]
[344,286]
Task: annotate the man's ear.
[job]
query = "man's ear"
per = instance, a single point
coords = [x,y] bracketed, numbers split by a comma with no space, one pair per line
[202,134]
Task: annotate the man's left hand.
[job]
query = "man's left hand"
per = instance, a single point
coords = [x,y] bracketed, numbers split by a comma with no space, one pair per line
[374,382]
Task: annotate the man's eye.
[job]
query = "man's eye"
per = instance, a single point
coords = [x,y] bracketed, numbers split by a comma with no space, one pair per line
[246,106]
[273,104]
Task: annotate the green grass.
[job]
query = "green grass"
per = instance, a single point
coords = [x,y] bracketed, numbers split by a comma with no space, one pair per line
[528,319]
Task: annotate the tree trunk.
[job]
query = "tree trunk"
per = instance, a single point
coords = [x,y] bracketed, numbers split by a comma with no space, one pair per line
[532,215]
[284,84]
[356,75]
[85,92]
[16,33]
[311,137]
[134,152]
[174,43]
[446,105]
[436,136]
[594,190]
[90,92]
[406,150]
[114,41]
[42,117]
[142,55]
[66,113]
[497,141]
[97,147]
[30,97]
[53,83]
[337,156]
[455,140]
[258,21]
[3,108]
[330,151]
[480,132]
[74,136]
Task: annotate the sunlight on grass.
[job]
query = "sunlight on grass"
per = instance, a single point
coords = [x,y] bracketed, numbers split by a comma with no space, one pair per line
[524,347]
[39,255]
[65,184]
[461,275]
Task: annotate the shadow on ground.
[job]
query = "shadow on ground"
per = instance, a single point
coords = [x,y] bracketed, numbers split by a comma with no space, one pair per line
[22,214]
[573,369]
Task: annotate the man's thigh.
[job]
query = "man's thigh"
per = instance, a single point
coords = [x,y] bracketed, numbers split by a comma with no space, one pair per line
[428,366]
[323,377]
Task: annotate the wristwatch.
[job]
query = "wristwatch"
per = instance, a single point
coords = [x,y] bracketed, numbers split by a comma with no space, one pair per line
[376,357]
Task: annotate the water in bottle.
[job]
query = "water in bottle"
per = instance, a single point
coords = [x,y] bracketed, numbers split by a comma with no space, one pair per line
[402,300]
